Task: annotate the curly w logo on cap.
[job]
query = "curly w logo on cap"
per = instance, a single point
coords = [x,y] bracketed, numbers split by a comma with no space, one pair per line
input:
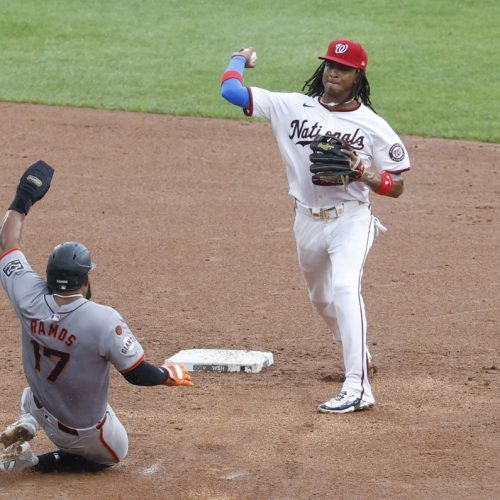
[347,52]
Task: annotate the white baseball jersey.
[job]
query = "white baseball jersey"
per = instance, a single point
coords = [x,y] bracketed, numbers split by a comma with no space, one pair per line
[332,252]
[67,350]
[297,118]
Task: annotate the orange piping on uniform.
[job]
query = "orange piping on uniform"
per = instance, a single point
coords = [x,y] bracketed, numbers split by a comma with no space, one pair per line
[106,445]
[135,365]
[9,251]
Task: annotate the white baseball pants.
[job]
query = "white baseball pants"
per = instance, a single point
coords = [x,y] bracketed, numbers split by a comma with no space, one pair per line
[332,254]
[104,443]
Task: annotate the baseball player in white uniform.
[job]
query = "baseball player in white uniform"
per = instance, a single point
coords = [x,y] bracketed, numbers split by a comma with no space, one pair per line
[334,226]
[68,346]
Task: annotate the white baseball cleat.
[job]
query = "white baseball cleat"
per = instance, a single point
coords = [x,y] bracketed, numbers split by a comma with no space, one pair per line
[17,457]
[23,429]
[344,402]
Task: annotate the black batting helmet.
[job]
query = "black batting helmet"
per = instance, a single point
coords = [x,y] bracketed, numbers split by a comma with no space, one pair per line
[68,266]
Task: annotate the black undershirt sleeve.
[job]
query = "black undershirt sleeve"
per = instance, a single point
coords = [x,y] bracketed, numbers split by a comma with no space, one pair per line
[146,374]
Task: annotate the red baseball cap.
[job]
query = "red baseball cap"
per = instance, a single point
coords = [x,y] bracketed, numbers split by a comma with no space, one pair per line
[347,52]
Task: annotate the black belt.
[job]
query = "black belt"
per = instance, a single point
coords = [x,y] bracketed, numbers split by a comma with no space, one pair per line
[69,430]
[60,425]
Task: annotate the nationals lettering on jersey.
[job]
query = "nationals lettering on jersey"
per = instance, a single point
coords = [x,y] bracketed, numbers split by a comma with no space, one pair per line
[296,119]
[302,130]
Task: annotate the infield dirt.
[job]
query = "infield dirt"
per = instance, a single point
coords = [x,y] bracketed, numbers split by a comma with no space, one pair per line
[189,222]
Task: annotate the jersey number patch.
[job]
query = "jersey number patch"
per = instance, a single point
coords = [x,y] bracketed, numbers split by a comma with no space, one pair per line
[49,353]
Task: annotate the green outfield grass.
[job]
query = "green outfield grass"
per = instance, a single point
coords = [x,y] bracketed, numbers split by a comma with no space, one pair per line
[432,63]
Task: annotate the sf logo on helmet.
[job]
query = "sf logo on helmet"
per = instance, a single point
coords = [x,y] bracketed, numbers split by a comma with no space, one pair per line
[340,48]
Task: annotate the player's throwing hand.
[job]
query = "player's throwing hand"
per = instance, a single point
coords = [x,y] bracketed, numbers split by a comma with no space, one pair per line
[249,54]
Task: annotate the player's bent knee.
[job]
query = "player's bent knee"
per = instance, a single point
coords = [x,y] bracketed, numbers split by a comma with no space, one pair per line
[115,455]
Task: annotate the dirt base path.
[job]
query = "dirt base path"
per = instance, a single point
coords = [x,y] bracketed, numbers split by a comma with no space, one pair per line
[190,225]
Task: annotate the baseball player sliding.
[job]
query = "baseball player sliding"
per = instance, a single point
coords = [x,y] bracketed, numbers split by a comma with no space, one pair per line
[68,346]
[332,123]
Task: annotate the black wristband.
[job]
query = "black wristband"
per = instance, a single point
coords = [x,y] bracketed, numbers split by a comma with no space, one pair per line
[22,202]
[146,374]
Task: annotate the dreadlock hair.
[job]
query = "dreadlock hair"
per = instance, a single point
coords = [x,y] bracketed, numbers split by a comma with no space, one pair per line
[360,91]
[315,83]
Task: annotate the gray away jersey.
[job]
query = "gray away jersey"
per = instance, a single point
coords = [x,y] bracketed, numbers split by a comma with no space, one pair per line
[67,351]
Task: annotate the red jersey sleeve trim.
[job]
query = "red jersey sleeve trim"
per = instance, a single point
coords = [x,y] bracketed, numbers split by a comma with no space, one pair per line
[135,365]
[249,109]
[9,251]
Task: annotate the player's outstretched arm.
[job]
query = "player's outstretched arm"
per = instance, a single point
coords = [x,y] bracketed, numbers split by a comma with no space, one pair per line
[11,230]
[32,187]
[146,374]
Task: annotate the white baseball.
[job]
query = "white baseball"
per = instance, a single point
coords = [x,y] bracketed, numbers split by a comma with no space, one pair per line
[253,57]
